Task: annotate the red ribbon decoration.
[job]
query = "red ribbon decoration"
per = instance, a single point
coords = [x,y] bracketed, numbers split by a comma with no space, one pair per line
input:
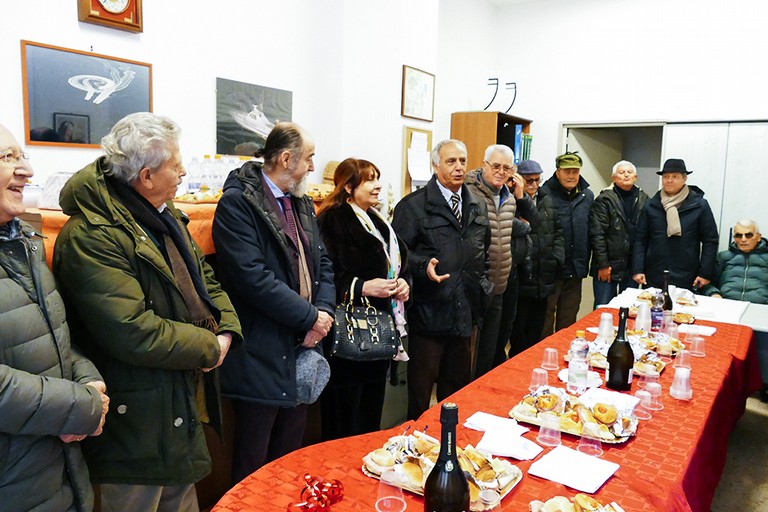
[317,495]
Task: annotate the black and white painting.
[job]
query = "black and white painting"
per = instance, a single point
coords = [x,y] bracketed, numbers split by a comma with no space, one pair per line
[246,113]
[74,98]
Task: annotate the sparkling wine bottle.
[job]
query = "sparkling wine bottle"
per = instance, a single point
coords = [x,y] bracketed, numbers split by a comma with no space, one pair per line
[446,488]
[667,306]
[621,359]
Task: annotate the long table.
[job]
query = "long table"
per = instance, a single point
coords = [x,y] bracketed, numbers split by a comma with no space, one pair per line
[673,464]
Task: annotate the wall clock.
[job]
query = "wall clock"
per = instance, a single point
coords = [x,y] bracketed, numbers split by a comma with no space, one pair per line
[120,14]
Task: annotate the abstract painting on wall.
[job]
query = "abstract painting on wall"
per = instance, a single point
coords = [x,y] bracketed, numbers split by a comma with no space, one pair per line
[246,113]
[73,98]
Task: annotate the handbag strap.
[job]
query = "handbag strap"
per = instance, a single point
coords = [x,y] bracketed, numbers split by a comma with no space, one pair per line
[363,300]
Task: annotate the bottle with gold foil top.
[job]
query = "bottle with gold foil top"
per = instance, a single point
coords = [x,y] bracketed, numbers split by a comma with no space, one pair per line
[446,488]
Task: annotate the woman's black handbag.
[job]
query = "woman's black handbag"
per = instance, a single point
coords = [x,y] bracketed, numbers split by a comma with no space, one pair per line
[363,333]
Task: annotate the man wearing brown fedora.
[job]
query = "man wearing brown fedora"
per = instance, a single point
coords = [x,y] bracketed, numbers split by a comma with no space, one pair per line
[677,232]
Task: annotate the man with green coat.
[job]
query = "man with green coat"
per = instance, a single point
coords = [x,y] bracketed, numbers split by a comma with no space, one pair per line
[148,312]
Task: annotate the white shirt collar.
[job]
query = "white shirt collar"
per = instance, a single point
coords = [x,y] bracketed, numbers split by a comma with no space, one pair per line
[447,194]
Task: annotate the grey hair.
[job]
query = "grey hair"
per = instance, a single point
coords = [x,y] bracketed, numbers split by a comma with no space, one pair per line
[622,163]
[501,148]
[747,223]
[284,136]
[439,146]
[137,141]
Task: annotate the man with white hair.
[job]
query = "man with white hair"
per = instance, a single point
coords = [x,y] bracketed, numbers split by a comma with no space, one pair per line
[612,221]
[742,270]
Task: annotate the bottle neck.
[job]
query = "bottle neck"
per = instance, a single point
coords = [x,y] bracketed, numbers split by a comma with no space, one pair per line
[448,441]
[621,334]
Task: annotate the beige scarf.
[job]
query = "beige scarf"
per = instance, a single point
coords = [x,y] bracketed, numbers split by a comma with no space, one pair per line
[670,204]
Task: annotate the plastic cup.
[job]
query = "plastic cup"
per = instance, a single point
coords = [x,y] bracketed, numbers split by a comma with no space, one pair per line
[682,359]
[549,361]
[654,389]
[490,500]
[698,347]
[390,497]
[643,320]
[673,331]
[539,377]
[605,327]
[691,331]
[681,384]
[641,409]
[666,321]
[646,378]
[590,443]
[549,429]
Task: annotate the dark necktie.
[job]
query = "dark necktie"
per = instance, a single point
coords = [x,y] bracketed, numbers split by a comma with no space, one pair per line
[290,219]
[455,206]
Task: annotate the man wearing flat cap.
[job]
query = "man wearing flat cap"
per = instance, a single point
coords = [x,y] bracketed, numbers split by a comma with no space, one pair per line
[676,232]
[569,194]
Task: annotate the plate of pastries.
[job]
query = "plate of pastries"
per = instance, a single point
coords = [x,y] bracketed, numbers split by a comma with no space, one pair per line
[413,456]
[201,197]
[579,503]
[614,425]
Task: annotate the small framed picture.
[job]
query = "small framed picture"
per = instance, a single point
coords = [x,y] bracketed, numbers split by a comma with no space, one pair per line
[418,98]
[72,128]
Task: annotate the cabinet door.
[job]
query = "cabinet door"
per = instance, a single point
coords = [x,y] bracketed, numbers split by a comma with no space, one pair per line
[704,148]
[744,187]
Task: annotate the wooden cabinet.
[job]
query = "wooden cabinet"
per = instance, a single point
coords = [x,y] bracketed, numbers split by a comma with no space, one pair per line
[478,130]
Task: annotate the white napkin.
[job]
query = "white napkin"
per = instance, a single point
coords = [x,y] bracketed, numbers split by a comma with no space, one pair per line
[593,378]
[703,330]
[483,421]
[569,467]
[499,442]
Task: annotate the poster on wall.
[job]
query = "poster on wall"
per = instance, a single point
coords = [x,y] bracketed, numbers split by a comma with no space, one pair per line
[246,113]
[73,98]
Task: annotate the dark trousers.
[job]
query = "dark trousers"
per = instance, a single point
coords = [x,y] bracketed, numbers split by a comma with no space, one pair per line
[528,324]
[563,305]
[488,336]
[604,292]
[445,360]
[264,433]
[508,315]
[352,402]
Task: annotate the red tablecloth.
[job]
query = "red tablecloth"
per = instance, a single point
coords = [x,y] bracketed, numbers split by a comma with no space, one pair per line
[673,464]
[200,223]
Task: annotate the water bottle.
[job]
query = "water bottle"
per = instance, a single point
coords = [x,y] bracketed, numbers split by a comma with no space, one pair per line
[657,312]
[578,366]
[193,175]
[206,174]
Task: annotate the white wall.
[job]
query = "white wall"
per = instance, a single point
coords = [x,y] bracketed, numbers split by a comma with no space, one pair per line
[341,58]
[618,60]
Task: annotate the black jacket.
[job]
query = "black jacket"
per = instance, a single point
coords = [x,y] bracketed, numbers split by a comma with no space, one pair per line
[572,210]
[687,256]
[611,233]
[425,222]
[547,251]
[255,267]
[526,219]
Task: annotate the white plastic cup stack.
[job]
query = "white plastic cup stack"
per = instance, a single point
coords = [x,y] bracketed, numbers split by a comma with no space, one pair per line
[605,328]
[643,320]
[681,384]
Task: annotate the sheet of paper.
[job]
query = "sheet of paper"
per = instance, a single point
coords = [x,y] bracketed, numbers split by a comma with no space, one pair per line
[419,141]
[500,442]
[483,422]
[418,165]
[574,469]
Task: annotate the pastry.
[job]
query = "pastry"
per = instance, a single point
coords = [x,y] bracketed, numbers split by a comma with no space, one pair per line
[547,402]
[414,474]
[584,503]
[605,413]
[558,504]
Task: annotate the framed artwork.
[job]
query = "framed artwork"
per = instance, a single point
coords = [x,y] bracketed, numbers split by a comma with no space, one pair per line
[418,97]
[246,113]
[84,91]
[417,170]
[120,14]
[72,128]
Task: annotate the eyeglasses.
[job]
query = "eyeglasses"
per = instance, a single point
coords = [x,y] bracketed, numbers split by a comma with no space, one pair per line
[532,181]
[748,236]
[13,158]
[497,166]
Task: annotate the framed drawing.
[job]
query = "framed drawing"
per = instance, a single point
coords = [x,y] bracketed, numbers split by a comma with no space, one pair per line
[85,92]
[72,128]
[120,14]
[418,97]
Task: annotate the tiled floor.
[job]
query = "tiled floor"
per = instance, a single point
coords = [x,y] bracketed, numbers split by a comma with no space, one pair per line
[744,485]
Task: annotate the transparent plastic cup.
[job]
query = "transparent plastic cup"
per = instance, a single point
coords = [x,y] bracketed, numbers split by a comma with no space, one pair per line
[390,497]
[539,377]
[698,346]
[550,361]
[681,385]
[490,500]
[605,327]
[590,443]
[643,319]
[682,359]
[549,429]
[654,389]
[641,409]
[647,377]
